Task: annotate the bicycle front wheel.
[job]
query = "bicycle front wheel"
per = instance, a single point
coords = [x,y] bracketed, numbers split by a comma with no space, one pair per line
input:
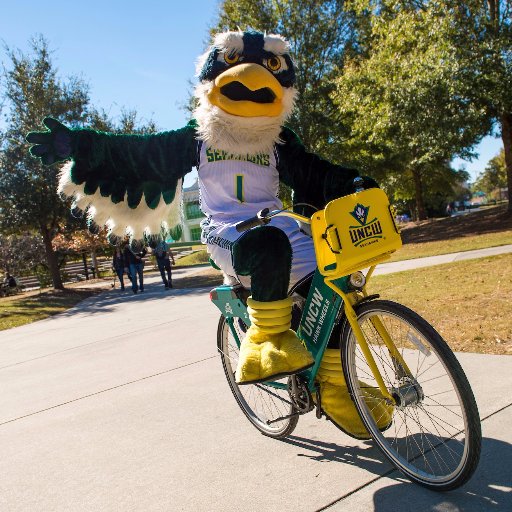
[435,435]
[266,405]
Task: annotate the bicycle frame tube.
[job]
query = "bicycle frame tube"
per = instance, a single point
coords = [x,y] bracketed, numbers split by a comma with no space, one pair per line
[319,316]
[379,327]
[358,333]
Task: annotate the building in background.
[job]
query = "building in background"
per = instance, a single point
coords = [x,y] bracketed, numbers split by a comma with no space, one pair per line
[192,214]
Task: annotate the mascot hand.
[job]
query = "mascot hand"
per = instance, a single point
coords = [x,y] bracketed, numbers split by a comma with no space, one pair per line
[368,183]
[351,186]
[51,146]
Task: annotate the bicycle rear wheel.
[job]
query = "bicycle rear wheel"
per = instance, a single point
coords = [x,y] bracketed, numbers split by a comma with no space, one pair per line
[261,403]
[435,436]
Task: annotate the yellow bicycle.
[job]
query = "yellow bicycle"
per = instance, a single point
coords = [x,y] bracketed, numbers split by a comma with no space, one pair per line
[434,437]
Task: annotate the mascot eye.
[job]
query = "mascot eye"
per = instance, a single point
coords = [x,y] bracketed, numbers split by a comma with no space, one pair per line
[231,58]
[273,63]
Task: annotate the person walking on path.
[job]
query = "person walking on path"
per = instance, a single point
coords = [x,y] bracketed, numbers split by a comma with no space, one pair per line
[164,256]
[133,257]
[119,266]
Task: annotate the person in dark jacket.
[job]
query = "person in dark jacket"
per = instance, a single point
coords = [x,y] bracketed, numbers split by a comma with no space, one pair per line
[164,255]
[133,257]
[119,266]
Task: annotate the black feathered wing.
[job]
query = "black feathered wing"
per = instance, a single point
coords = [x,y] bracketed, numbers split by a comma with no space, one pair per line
[130,184]
[118,218]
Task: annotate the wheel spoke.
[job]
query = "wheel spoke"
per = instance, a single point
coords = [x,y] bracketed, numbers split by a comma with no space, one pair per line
[429,438]
[261,403]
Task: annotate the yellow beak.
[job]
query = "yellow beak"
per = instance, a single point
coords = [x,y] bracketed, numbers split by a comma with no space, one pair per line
[247,90]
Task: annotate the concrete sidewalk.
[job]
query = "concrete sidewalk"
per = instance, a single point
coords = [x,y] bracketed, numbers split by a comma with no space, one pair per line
[399,266]
[121,404]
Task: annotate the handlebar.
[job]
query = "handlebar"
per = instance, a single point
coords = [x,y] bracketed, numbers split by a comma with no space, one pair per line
[259,219]
[264,216]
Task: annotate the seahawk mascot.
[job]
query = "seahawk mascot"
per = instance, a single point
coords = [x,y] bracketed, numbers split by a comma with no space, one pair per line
[242,150]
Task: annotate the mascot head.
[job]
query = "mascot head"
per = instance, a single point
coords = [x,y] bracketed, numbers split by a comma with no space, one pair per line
[245,91]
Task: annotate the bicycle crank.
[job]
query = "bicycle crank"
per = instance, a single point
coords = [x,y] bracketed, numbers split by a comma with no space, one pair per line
[300,399]
[300,395]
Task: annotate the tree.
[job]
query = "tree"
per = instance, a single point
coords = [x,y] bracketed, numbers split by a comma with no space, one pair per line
[28,199]
[128,122]
[482,34]
[320,33]
[27,189]
[22,254]
[407,117]
[81,242]
[494,176]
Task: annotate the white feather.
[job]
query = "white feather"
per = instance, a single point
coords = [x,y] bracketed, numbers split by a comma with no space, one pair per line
[276,44]
[230,41]
[237,134]
[119,218]
[233,42]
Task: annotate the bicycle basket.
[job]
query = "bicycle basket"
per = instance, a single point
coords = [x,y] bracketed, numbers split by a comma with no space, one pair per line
[354,232]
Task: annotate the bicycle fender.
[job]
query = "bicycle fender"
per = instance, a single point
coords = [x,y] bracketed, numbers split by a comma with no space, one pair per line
[230,301]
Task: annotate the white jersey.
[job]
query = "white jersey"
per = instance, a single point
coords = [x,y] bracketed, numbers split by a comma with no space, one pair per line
[233,188]
[236,187]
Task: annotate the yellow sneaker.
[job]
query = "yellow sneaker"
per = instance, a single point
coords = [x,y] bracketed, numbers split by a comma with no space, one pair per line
[270,348]
[338,405]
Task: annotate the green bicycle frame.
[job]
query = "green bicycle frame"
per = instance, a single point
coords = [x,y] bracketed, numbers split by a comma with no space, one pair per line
[326,299]
[321,311]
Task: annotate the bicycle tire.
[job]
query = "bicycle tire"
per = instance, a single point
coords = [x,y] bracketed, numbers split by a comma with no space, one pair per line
[259,402]
[415,451]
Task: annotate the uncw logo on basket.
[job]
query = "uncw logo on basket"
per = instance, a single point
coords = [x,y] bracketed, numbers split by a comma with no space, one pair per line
[367,232]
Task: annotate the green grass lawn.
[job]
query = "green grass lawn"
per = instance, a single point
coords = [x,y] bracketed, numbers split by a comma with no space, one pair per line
[469,302]
[488,227]
[198,257]
[29,307]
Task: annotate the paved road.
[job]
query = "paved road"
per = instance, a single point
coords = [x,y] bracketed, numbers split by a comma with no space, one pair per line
[121,404]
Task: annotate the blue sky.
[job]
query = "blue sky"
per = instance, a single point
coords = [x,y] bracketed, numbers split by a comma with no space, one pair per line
[133,54]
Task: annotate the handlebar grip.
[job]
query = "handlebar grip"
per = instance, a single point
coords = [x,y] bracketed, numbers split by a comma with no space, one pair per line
[358,184]
[258,220]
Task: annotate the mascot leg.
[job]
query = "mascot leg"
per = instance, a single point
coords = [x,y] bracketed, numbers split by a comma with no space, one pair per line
[338,405]
[270,349]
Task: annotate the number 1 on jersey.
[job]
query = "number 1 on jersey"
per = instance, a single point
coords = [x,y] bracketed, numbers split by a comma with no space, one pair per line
[239,187]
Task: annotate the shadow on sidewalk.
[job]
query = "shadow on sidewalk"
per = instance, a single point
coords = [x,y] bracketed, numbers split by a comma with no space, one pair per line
[489,489]
[367,457]
[108,300]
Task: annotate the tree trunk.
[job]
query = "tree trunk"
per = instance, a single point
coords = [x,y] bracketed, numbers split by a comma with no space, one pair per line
[86,269]
[418,189]
[94,264]
[51,259]
[506,135]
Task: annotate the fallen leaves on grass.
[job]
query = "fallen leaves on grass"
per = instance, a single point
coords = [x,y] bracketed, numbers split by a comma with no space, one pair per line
[23,309]
[468,302]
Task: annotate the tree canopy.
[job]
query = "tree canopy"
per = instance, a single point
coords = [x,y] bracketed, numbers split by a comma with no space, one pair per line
[28,198]
[407,105]
[27,189]
[494,177]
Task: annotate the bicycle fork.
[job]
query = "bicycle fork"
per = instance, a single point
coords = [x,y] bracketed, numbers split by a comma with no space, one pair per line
[409,392]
